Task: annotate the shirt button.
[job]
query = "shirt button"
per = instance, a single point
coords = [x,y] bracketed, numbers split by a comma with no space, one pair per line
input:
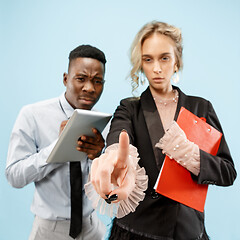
[155,195]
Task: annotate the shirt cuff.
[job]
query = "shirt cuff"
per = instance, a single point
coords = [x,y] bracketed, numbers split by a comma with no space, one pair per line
[123,207]
[175,145]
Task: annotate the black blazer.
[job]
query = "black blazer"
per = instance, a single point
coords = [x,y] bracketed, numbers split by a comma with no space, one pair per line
[157,216]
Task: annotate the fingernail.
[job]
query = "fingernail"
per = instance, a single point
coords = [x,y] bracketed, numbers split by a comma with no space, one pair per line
[112,198]
[124,130]
[82,138]
[107,201]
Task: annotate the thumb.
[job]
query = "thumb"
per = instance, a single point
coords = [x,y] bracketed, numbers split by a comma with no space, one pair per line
[126,186]
[123,150]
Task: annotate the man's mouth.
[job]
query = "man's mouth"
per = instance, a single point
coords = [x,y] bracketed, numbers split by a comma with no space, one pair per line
[87,100]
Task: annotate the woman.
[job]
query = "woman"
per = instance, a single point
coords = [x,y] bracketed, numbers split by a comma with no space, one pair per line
[157,53]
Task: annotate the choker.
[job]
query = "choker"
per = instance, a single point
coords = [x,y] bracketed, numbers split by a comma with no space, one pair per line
[166,102]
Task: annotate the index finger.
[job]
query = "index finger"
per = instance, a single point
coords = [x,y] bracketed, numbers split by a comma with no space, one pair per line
[123,150]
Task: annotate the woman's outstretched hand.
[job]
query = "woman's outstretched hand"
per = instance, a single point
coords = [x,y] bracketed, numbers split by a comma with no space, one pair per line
[114,168]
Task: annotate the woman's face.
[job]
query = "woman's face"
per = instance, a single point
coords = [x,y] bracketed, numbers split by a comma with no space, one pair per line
[159,62]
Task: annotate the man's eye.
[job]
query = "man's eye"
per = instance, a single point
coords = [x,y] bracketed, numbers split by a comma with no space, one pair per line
[98,81]
[80,79]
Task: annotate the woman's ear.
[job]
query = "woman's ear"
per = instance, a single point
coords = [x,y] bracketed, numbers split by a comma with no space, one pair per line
[175,68]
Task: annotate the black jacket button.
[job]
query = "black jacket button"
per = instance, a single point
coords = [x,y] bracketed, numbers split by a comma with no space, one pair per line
[155,195]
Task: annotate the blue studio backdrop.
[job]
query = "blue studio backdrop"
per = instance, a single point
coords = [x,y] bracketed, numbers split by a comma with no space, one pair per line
[37,36]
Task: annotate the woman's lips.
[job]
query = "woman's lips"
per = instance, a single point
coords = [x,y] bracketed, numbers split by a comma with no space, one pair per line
[158,79]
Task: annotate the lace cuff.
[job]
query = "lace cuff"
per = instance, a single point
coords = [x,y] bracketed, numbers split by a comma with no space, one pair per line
[123,207]
[175,144]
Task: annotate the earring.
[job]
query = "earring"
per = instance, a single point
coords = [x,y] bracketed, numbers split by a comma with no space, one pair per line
[175,77]
[142,78]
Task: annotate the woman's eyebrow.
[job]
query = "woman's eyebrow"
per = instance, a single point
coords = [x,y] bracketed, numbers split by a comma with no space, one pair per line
[149,55]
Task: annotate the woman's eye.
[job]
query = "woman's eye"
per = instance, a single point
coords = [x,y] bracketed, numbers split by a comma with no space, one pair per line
[165,58]
[147,59]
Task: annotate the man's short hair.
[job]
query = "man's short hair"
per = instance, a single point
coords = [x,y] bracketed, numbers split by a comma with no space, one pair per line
[87,51]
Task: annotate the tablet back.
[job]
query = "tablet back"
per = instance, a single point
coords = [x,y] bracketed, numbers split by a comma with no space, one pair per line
[81,123]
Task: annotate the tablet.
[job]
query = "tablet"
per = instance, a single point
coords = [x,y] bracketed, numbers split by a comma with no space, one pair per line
[80,123]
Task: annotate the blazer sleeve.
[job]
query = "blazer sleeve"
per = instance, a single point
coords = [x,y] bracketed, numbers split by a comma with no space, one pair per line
[122,119]
[218,170]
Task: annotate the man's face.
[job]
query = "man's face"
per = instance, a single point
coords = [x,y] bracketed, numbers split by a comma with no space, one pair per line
[84,82]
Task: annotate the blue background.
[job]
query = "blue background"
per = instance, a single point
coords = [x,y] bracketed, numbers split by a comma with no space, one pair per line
[36,37]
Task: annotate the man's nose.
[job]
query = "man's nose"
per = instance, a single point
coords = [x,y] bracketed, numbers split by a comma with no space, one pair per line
[88,86]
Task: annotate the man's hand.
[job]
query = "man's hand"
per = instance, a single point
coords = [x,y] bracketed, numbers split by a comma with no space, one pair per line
[91,145]
[62,126]
[114,167]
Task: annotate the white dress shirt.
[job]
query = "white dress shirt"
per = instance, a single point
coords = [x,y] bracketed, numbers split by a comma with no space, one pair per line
[33,137]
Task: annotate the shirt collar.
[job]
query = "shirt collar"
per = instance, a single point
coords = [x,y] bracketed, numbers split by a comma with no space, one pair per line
[66,107]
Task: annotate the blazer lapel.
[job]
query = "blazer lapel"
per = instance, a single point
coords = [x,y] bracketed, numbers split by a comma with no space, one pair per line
[154,124]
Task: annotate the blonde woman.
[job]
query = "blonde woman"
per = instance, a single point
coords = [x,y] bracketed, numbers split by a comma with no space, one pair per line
[149,130]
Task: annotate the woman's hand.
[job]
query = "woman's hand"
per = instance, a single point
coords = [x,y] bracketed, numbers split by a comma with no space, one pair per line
[114,168]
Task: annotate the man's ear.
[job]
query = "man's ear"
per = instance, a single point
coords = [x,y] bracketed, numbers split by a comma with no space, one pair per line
[65,78]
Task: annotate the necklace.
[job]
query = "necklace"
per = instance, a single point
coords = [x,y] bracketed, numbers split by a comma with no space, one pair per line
[166,102]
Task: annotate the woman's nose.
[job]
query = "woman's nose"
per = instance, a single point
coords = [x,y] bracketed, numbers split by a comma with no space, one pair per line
[157,68]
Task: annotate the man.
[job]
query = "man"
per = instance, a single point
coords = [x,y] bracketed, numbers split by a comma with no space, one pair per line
[33,137]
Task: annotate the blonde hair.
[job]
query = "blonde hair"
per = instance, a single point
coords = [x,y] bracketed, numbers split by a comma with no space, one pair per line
[145,32]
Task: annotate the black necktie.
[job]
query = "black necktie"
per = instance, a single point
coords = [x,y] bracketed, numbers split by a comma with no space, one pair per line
[76,199]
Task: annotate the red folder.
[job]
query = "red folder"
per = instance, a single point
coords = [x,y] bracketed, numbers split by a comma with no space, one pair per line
[174,181]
